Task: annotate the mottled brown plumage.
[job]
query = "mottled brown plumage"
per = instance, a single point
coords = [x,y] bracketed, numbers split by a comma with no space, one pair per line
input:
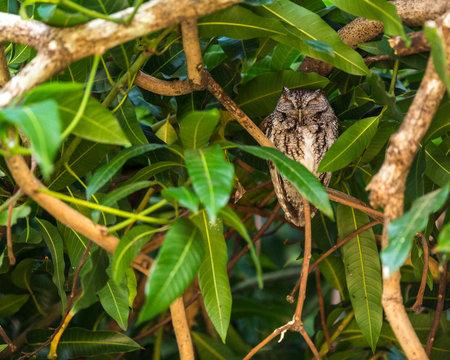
[302,126]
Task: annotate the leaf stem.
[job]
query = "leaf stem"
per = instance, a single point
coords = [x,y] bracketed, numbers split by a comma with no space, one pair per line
[106,209]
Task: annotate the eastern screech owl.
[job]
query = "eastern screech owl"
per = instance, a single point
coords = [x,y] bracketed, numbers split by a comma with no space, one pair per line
[303,127]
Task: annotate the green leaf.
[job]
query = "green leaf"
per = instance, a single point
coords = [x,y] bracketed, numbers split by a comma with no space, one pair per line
[402,230]
[18,212]
[104,173]
[129,246]
[79,343]
[75,244]
[185,196]
[212,275]
[380,10]
[441,122]
[123,191]
[259,96]
[147,172]
[362,270]
[307,25]
[54,243]
[52,15]
[438,53]
[444,239]
[197,127]
[41,123]
[349,145]
[304,181]
[97,123]
[114,299]
[174,269]
[239,23]
[228,215]
[210,349]
[167,133]
[437,165]
[84,159]
[126,115]
[332,268]
[10,304]
[212,177]
[21,275]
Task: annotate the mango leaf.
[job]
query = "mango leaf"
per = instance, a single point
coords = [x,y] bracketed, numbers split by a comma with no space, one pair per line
[239,23]
[209,348]
[444,239]
[97,123]
[212,177]
[197,127]
[437,165]
[362,270]
[52,15]
[174,269]
[307,25]
[441,122]
[437,43]
[332,268]
[129,246]
[185,196]
[10,304]
[87,155]
[380,10]
[76,245]
[104,173]
[54,243]
[259,96]
[18,212]
[126,115]
[212,274]
[305,182]
[228,215]
[167,133]
[79,343]
[402,230]
[147,172]
[41,123]
[21,275]
[349,145]
[114,299]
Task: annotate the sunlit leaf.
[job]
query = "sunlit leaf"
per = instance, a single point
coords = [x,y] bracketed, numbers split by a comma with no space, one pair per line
[197,127]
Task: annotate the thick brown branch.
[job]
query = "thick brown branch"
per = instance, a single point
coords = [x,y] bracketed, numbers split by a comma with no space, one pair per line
[193,53]
[419,43]
[163,87]
[59,47]
[182,331]
[5,76]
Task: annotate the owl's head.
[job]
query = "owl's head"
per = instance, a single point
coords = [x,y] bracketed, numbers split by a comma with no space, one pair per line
[293,101]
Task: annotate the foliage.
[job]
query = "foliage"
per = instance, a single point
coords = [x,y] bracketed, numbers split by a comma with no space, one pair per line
[181,164]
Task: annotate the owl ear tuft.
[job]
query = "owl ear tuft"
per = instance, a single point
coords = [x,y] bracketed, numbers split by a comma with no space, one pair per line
[285,90]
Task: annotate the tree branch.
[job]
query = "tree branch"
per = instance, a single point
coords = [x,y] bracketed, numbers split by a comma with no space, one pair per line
[181,327]
[387,189]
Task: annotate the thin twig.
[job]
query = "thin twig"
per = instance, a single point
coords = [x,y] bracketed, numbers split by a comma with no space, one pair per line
[11,257]
[322,311]
[7,340]
[331,250]
[439,309]
[310,343]
[423,282]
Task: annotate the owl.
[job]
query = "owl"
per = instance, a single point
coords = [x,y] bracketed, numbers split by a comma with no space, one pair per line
[303,127]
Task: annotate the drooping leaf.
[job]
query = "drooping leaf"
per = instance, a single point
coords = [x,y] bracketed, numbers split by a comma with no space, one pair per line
[174,269]
[185,196]
[212,177]
[438,53]
[79,343]
[228,215]
[307,25]
[381,10]
[444,239]
[210,349]
[129,246]
[54,243]
[437,165]
[441,121]
[363,274]
[197,127]
[402,230]
[114,299]
[41,123]
[11,303]
[305,182]
[104,173]
[349,145]
[259,96]
[212,274]
[75,244]
[126,115]
[18,212]
[147,172]
[21,275]
[97,123]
